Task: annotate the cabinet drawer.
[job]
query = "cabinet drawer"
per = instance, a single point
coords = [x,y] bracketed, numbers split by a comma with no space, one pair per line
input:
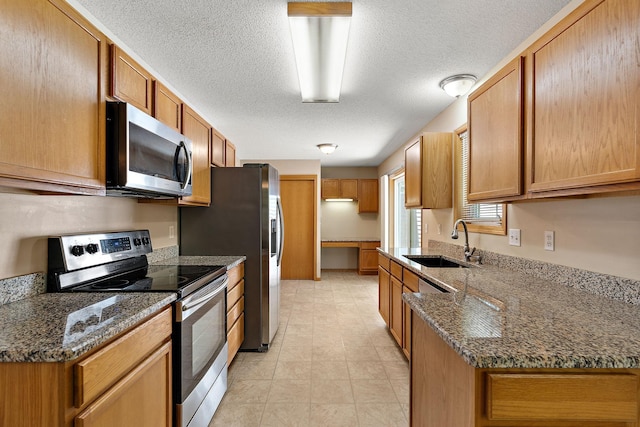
[235,336]
[383,261]
[234,294]
[234,313]
[410,280]
[585,397]
[98,372]
[396,270]
[235,275]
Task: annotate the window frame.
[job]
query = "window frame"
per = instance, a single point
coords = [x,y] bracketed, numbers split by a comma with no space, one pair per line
[460,198]
[400,173]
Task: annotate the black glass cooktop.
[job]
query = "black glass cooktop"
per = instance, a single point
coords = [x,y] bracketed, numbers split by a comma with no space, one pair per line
[155,278]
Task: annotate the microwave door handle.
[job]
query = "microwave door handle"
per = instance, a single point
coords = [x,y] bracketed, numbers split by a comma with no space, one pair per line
[189,164]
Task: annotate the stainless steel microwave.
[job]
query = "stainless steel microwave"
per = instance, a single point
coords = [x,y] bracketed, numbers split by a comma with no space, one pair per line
[145,157]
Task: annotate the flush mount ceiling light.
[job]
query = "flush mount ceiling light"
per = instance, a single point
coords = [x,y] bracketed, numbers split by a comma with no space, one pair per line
[327,148]
[458,85]
[320,32]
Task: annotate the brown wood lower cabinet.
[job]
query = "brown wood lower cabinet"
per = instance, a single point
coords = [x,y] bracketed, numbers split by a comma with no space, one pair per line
[446,391]
[384,293]
[125,383]
[235,310]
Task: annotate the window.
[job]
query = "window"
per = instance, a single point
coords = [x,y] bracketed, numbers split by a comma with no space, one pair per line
[406,224]
[489,218]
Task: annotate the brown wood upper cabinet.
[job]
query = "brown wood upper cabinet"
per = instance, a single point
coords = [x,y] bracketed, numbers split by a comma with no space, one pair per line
[167,107]
[218,146]
[427,170]
[495,135]
[367,196]
[198,131]
[580,107]
[229,154]
[582,122]
[129,81]
[339,188]
[52,118]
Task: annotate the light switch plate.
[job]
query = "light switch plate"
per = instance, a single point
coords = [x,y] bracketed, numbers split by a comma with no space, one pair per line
[514,236]
[549,241]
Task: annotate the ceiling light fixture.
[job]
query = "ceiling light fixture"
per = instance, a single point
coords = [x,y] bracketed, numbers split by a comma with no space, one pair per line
[320,32]
[458,85]
[327,148]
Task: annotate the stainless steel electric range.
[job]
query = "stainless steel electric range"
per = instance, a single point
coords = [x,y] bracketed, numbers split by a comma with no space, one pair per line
[117,262]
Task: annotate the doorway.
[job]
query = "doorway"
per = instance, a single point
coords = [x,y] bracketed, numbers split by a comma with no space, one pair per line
[298,194]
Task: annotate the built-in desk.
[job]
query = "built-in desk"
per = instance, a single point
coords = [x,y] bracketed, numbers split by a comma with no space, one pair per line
[367,253]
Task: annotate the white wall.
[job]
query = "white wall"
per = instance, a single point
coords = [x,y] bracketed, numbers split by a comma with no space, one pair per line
[26,220]
[596,234]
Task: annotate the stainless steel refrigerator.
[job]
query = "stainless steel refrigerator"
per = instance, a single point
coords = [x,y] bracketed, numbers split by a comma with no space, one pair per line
[244,218]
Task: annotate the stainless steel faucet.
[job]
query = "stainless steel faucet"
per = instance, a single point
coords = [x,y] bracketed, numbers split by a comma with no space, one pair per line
[468,253]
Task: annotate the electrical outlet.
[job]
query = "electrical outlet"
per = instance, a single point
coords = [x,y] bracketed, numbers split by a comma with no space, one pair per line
[439,228]
[549,241]
[514,236]
[172,231]
[426,229]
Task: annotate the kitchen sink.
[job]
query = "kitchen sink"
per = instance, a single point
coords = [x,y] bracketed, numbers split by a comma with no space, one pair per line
[435,261]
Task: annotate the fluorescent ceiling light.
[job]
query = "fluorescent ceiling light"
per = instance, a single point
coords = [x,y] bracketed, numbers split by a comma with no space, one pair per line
[320,32]
[327,148]
[458,85]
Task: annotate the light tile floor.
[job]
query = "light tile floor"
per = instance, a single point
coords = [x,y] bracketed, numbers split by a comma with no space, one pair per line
[332,363]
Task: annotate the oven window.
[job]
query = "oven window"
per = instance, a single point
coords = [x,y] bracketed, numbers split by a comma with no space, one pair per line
[208,335]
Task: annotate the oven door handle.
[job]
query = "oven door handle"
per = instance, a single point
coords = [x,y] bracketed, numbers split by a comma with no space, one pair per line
[204,299]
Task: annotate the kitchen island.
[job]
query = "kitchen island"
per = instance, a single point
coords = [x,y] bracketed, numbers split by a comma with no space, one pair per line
[503,347]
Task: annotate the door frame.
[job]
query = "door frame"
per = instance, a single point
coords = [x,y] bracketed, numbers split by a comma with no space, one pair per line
[314,179]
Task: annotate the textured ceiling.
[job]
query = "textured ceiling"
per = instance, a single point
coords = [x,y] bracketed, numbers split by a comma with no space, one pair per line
[233,61]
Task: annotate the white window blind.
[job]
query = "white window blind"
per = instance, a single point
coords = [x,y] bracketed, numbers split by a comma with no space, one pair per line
[476,213]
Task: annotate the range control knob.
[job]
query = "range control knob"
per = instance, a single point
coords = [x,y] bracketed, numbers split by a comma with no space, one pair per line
[145,241]
[92,248]
[77,250]
[137,242]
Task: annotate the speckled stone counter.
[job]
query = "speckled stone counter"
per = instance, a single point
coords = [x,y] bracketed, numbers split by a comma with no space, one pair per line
[62,327]
[228,261]
[500,318]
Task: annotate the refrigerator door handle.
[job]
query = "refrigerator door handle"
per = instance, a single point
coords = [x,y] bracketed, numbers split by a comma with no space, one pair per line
[281,221]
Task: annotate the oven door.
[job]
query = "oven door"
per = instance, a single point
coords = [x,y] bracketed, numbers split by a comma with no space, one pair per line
[200,332]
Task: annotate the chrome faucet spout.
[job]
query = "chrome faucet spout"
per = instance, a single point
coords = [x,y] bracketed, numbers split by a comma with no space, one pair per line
[468,253]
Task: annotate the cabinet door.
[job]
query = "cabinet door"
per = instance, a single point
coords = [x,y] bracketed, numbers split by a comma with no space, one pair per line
[368,258]
[495,136]
[129,81]
[584,80]
[406,322]
[218,145]
[396,316]
[52,68]
[330,188]
[436,170]
[384,297]
[413,175]
[349,189]
[167,107]
[199,132]
[141,399]
[367,196]
[230,155]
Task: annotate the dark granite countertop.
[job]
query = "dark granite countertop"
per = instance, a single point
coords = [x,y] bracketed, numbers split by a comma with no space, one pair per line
[58,327]
[50,327]
[502,318]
